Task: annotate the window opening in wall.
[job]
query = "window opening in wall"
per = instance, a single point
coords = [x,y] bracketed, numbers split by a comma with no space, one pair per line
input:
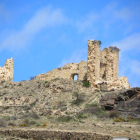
[75,77]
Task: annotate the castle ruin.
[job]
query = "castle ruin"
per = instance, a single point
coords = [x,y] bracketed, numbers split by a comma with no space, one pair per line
[6,72]
[101,69]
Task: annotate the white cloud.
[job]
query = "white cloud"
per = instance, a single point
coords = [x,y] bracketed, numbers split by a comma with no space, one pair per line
[104,19]
[45,17]
[131,42]
[76,57]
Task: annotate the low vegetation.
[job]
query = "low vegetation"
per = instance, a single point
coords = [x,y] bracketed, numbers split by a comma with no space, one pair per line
[86,84]
[79,98]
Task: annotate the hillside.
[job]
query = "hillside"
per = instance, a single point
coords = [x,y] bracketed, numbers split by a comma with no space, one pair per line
[61,105]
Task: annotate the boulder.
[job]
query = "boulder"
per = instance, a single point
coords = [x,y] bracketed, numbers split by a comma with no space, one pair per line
[126,101]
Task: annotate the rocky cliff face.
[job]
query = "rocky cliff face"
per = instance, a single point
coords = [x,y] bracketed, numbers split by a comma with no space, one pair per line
[125,101]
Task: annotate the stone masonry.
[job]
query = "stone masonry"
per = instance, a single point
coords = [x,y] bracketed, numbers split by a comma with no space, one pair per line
[101,68]
[6,72]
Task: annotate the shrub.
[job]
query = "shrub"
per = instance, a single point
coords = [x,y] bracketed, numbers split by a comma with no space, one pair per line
[11,124]
[92,105]
[7,118]
[120,119]
[2,123]
[32,122]
[64,118]
[5,86]
[26,121]
[96,110]
[46,81]
[62,105]
[6,107]
[86,84]
[114,114]
[30,115]
[34,115]
[81,115]
[79,98]
[23,125]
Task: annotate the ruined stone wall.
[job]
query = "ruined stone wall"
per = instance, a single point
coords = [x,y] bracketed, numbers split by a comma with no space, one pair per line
[109,64]
[93,73]
[66,72]
[101,67]
[6,72]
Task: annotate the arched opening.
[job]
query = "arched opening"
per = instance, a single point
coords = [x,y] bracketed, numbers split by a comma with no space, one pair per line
[75,77]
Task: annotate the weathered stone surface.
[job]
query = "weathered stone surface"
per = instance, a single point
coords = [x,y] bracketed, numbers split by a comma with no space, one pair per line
[125,101]
[6,72]
[57,135]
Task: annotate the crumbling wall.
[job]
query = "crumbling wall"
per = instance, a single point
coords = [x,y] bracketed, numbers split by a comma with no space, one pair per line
[6,72]
[101,67]
[66,72]
[93,72]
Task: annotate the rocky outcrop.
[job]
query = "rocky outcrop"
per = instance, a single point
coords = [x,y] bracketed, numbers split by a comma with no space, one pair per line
[125,101]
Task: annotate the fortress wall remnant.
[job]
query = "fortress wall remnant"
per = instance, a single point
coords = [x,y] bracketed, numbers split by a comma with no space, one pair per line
[93,63]
[6,72]
[112,63]
[66,72]
[101,68]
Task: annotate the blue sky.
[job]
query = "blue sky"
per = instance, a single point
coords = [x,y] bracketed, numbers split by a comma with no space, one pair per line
[42,35]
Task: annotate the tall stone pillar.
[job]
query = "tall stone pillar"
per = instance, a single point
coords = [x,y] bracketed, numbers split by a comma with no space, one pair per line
[93,63]
[112,67]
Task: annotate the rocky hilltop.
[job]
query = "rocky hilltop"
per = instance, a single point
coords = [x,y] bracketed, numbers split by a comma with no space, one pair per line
[67,105]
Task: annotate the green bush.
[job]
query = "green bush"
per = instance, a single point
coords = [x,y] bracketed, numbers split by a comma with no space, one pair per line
[7,118]
[86,84]
[114,114]
[96,110]
[32,122]
[80,97]
[46,81]
[64,118]
[81,115]
[11,124]
[77,102]
[92,105]
[2,123]
[26,121]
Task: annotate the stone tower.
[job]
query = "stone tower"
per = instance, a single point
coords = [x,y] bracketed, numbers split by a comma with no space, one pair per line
[112,63]
[93,63]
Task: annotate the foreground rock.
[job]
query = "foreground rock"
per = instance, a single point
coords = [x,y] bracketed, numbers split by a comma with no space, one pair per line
[125,101]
